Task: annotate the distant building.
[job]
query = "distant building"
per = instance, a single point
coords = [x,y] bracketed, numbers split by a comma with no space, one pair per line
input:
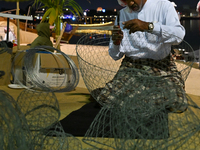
[99,15]
[99,9]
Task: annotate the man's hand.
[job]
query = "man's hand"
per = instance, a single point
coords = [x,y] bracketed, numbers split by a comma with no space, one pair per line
[135,25]
[117,35]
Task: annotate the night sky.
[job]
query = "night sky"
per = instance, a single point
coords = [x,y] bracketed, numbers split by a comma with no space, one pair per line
[93,4]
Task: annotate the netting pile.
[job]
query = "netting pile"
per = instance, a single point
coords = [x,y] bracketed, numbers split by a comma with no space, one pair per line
[55,71]
[144,104]
[41,110]
[56,139]
[14,131]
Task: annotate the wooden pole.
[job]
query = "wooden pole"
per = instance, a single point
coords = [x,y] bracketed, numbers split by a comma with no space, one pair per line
[27,15]
[18,36]
[7,38]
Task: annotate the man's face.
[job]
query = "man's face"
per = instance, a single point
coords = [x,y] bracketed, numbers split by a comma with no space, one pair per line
[135,5]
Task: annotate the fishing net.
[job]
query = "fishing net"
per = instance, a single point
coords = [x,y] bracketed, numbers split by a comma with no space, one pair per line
[98,68]
[14,131]
[56,139]
[45,68]
[144,104]
[135,122]
[40,108]
[42,113]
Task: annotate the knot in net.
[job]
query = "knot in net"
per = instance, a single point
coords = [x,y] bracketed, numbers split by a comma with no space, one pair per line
[144,102]
[45,68]
[14,131]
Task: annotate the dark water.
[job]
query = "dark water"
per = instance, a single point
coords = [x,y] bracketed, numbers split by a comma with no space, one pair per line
[192,36]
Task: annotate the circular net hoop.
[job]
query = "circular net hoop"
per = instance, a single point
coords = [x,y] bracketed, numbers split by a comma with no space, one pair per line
[14,131]
[61,76]
[40,108]
[98,68]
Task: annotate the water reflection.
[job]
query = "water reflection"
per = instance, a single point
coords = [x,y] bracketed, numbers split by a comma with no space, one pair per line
[192,28]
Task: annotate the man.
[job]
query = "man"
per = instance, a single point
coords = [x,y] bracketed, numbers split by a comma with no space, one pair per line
[147,85]
[158,17]
[11,37]
[142,36]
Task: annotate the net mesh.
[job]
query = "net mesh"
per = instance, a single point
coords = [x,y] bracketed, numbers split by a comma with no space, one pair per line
[40,108]
[144,104]
[42,113]
[14,131]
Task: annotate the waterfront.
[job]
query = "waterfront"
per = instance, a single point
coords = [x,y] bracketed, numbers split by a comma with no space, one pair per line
[192,27]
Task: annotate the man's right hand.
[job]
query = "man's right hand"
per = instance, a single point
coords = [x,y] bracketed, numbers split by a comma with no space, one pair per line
[117,35]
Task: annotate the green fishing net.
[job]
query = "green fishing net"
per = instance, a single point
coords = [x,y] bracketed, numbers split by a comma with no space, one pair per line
[144,103]
[14,131]
[40,108]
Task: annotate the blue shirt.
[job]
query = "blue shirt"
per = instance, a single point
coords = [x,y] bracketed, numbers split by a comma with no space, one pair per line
[156,45]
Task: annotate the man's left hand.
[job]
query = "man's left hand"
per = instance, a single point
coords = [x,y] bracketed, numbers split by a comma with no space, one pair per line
[135,25]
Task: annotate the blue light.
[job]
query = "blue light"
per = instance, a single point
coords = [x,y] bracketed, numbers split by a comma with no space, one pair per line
[73,18]
[67,16]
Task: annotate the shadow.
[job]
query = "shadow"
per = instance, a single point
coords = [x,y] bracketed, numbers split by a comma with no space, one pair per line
[78,122]
[87,94]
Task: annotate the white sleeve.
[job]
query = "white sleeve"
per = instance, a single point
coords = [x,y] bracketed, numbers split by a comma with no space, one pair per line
[171,27]
[5,37]
[114,51]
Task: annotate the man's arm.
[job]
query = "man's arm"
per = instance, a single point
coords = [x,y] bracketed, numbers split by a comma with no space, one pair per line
[172,31]
[115,41]
[168,29]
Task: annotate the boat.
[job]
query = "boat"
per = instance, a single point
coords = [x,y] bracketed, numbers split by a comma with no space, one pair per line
[102,28]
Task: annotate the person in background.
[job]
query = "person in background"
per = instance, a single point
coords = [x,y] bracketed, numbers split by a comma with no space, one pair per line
[135,38]
[12,38]
[44,33]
